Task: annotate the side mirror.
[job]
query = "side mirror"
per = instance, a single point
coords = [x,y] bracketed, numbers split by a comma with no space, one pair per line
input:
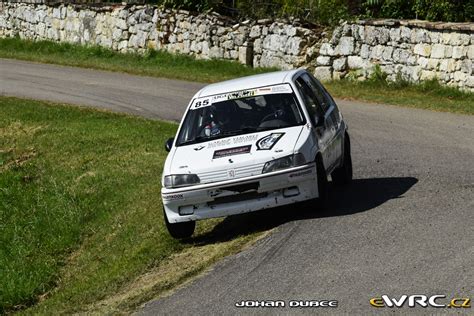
[320,121]
[169,144]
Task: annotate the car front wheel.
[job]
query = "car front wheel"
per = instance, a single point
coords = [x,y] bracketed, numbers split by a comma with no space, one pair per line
[343,174]
[179,230]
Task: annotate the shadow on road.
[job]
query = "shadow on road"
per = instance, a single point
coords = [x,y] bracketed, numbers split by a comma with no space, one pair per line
[361,195]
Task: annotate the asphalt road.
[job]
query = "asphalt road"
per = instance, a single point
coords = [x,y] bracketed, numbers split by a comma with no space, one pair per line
[405,225]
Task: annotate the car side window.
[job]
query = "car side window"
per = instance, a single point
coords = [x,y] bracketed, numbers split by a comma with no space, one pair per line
[335,113]
[311,102]
[318,92]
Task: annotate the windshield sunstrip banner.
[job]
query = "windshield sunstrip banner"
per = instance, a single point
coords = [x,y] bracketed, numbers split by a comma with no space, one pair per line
[207,101]
[231,151]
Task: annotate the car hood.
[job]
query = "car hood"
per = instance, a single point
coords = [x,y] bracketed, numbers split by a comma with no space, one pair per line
[235,156]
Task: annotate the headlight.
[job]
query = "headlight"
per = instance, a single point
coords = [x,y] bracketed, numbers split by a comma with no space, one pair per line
[180,180]
[284,163]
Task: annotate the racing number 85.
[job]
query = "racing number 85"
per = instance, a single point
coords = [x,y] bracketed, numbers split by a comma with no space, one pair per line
[203,103]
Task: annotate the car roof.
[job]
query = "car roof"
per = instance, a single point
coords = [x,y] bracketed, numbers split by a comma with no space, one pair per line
[248,82]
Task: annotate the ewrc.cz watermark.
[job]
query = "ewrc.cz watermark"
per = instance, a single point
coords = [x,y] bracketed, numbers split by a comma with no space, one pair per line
[437,301]
[291,304]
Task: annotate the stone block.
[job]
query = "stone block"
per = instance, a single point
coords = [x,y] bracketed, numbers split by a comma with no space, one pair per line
[255,31]
[355,62]
[294,46]
[338,75]
[422,36]
[121,24]
[245,55]
[395,34]
[447,65]
[323,61]
[423,62]
[466,66]
[365,51]
[438,51]
[340,64]
[427,75]
[387,53]
[470,81]
[433,64]
[422,49]
[323,73]
[460,76]
[470,52]
[459,52]
[345,46]
[327,49]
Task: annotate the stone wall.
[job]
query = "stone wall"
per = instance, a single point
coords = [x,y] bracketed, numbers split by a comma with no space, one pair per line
[412,50]
[137,28]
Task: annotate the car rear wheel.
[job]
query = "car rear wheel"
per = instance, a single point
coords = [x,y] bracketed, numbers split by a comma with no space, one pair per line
[179,230]
[323,188]
[343,174]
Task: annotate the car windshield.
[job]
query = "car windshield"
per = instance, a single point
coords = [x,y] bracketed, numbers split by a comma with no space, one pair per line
[239,113]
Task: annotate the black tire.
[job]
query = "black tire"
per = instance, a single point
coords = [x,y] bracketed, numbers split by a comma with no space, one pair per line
[323,187]
[343,174]
[180,230]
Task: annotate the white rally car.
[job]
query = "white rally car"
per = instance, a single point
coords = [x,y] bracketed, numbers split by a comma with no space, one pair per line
[253,143]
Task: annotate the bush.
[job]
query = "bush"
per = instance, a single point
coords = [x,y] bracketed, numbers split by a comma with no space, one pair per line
[432,10]
[327,12]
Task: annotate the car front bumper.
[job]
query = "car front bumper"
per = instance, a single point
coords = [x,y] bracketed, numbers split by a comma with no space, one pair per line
[240,195]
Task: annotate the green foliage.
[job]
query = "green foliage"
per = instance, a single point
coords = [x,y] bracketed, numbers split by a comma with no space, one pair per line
[327,12]
[378,75]
[433,10]
[194,5]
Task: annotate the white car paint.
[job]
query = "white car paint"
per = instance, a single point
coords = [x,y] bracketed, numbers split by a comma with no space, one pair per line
[230,169]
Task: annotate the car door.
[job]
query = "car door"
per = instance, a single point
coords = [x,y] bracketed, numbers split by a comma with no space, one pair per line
[339,126]
[331,113]
[320,125]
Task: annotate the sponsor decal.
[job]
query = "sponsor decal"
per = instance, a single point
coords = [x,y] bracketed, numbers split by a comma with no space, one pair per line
[172,197]
[290,304]
[207,101]
[241,94]
[437,301]
[300,173]
[199,148]
[231,151]
[237,140]
[283,88]
[267,142]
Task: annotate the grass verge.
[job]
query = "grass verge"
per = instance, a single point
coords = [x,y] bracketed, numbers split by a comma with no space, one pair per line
[428,95]
[81,228]
[152,63]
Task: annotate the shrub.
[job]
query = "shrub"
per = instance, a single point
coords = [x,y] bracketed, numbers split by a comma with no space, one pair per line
[433,10]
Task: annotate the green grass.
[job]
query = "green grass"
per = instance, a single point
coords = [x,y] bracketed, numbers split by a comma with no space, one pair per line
[80,212]
[428,95]
[152,63]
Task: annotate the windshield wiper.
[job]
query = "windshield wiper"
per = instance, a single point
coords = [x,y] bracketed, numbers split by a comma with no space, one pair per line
[196,140]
